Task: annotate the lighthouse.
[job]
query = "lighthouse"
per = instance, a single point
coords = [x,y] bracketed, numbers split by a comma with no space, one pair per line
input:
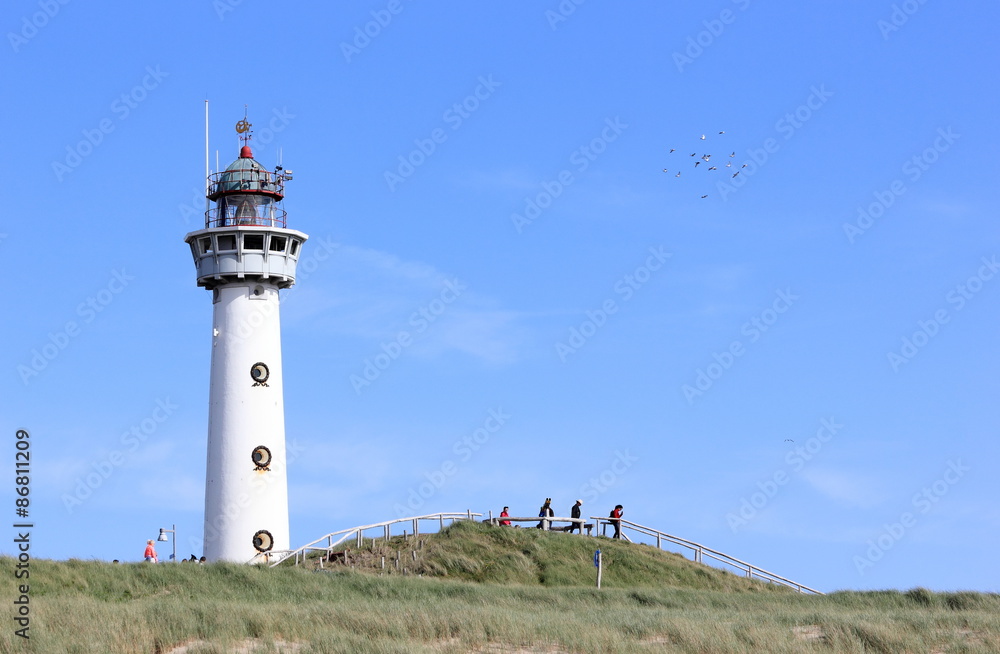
[245,256]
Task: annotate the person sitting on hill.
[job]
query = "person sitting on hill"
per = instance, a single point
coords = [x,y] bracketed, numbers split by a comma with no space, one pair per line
[504,514]
[545,512]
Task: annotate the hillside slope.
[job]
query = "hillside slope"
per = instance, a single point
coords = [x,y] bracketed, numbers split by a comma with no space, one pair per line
[478,552]
[484,590]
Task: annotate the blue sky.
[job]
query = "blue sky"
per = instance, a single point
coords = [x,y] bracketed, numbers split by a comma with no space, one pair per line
[798,370]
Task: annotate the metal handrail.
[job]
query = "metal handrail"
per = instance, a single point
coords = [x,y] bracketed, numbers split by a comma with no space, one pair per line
[545,522]
[277,218]
[700,551]
[246,180]
[277,556]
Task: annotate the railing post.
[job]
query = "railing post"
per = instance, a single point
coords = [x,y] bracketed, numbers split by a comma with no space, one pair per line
[658,540]
[441,518]
[416,527]
[360,538]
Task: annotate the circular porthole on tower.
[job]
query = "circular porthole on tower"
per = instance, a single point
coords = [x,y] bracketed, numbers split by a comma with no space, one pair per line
[263,541]
[259,372]
[261,457]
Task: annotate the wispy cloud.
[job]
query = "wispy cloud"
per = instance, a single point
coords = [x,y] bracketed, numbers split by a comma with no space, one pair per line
[854,490]
[378,294]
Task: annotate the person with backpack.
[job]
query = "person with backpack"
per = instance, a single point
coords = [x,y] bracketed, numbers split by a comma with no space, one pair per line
[616,520]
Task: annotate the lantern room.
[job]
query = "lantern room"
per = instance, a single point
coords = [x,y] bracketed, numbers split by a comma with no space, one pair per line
[246,194]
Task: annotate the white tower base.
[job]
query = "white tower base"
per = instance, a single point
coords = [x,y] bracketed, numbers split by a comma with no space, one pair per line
[241,498]
[246,486]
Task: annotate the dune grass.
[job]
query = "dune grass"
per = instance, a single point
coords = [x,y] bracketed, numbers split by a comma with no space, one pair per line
[492,592]
[471,551]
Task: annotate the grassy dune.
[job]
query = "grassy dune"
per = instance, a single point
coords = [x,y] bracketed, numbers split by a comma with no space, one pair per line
[483,590]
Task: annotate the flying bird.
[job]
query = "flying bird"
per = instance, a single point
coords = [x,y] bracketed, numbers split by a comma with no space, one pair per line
[693,153]
[703,197]
[702,137]
[789,440]
[713,168]
[736,173]
[729,164]
[664,170]
[697,163]
[706,157]
[672,149]
[677,175]
[733,154]
[721,132]
[743,166]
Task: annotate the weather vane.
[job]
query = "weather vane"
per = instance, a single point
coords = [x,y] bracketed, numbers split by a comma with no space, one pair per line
[243,127]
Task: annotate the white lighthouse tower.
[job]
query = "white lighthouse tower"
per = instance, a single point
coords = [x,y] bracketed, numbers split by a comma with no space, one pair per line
[245,256]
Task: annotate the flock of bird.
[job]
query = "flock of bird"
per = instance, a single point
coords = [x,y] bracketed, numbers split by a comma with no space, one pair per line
[706,159]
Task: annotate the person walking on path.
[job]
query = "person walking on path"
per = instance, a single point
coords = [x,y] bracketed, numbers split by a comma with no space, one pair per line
[150,554]
[575,513]
[504,514]
[616,520]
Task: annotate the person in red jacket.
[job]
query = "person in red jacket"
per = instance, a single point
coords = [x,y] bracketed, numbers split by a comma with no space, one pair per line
[616,520]
[150,554]
[504,514]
